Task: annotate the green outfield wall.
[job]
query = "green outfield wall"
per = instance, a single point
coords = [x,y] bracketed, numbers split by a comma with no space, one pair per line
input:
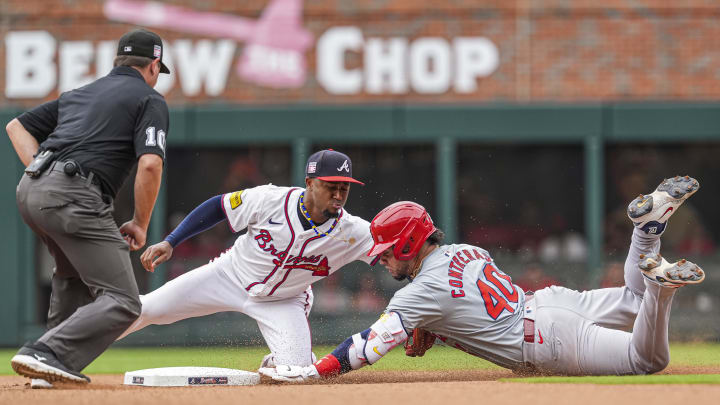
[593,127]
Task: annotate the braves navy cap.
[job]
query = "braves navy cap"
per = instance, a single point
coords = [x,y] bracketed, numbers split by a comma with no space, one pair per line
[142,42]
[330,165]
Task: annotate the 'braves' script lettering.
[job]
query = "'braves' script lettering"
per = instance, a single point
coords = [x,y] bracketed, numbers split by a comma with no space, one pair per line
[263,240]
[319,264]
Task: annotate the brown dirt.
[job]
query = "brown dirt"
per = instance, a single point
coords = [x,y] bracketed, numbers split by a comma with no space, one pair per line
[382,387]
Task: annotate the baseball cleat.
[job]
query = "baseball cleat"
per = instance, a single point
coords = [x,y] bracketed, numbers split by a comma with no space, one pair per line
[650,212]
[39,383]
[268,361]
[35,363]
[655,268]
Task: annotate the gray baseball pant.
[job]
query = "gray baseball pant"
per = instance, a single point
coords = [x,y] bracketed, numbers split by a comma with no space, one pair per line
[94,293]
[584,333]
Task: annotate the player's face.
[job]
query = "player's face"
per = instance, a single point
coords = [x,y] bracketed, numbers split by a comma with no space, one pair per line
[329,197]
[398,269]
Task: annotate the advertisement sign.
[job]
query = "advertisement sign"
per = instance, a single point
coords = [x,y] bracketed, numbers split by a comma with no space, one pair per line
[213,54]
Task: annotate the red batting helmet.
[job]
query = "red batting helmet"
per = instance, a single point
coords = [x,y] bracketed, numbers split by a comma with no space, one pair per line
[404,224]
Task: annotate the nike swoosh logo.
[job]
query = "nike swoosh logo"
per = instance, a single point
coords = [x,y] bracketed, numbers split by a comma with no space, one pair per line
[666,211]
[39,357]
[376,351]
[541,339]
[643,202]
[274,223]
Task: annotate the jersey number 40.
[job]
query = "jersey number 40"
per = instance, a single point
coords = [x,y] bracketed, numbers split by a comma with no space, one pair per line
[499,298]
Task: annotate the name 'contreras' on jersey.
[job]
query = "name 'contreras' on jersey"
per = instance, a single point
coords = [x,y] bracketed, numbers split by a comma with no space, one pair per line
[466,301]
[277,257]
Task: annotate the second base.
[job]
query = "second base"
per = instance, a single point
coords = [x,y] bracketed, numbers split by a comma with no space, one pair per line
[190,376]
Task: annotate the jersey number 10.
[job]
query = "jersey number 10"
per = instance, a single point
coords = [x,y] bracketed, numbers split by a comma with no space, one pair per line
[496,302]
[153,139]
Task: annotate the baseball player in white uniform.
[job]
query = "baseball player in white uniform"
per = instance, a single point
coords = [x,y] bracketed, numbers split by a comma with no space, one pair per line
[294,238]
[459,295]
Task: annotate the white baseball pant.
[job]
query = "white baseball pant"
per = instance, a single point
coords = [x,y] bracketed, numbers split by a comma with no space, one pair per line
[208,289]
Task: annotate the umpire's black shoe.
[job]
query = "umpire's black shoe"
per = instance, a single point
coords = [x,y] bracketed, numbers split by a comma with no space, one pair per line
[38,361]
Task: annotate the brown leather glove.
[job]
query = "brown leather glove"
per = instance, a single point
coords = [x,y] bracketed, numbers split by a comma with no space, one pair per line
[422,340]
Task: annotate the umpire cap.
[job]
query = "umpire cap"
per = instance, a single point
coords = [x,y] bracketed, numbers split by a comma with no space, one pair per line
[142,42]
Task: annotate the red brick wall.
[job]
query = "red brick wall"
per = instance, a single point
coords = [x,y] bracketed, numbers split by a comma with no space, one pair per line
[559,50]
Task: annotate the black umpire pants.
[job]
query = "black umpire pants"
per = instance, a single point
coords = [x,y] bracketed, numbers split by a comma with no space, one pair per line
[94,292]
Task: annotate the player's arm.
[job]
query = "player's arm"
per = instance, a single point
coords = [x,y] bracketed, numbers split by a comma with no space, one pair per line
[359,350]
[238,209]
[202,218]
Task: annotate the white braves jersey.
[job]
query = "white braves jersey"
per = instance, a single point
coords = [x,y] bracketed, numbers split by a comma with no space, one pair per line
[277,257]
[461,297]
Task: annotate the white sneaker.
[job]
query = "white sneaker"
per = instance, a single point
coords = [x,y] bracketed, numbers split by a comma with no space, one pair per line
[650,212]
[660,271]
[38,383]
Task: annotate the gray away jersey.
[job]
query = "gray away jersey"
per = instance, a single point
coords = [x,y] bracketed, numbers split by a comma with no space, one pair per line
[467,302]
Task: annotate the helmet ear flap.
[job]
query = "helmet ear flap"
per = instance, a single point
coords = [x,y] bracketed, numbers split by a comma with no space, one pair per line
[403,249]
[408,245]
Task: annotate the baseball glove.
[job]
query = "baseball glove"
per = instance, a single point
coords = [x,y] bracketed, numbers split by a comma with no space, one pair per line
[422,340]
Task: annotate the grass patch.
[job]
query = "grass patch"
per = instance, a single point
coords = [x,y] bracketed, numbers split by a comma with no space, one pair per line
[624,380]
[436,359]
[120,360]
[695,354]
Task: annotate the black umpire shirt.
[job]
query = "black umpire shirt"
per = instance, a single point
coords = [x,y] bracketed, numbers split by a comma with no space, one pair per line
[104,126]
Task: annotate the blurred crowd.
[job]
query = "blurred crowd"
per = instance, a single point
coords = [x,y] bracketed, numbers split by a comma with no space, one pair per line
[531,221]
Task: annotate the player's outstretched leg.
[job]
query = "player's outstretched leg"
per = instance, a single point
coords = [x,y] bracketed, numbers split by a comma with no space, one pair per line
[199,292]
[658,270]
[650,213]
[649,347]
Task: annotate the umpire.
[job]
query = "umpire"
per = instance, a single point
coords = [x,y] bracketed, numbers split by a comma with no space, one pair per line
[79,149]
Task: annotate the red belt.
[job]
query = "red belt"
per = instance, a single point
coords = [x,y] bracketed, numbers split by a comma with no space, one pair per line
[529,325]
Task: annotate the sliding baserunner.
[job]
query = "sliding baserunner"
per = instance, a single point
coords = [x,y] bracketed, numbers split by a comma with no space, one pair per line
[459,295]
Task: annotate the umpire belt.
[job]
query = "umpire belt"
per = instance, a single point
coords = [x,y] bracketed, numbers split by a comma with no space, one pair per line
[71,168]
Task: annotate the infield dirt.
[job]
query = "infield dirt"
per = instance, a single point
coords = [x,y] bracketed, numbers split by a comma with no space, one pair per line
[381,387]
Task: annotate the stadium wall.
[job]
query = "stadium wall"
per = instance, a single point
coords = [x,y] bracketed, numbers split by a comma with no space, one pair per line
[595,127]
